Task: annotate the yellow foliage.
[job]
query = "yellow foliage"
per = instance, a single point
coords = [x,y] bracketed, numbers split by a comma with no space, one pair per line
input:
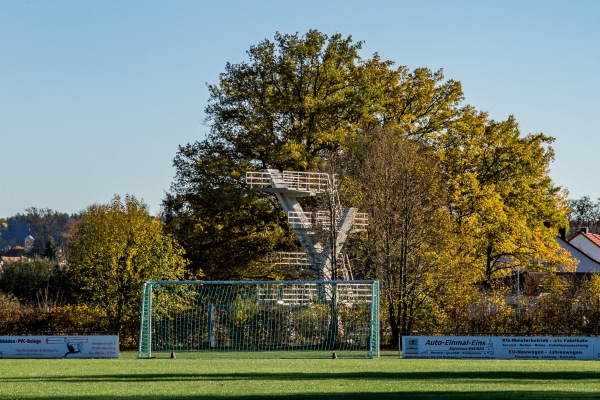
[77,318]
[115,248]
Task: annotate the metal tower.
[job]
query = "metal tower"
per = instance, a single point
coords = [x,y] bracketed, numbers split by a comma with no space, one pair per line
[321,234]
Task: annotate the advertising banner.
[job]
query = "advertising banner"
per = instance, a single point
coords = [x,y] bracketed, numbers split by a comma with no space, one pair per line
[448,347]
[548,348]
[97,346]
[502,347]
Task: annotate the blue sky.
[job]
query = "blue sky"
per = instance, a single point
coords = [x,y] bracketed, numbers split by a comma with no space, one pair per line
[96,96]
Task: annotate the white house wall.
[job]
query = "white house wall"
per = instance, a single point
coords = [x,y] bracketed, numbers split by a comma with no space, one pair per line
[586,264]
[586,246]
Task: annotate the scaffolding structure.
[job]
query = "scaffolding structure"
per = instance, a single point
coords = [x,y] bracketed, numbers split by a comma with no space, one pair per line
[323,258]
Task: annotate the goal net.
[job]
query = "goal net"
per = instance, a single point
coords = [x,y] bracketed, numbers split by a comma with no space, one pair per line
[260,316]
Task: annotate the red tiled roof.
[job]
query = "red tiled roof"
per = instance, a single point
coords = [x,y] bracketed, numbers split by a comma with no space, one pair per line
[592,237]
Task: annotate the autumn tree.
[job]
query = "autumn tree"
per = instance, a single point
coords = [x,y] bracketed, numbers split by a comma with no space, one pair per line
[297,100]
[397,182]
[501,196]
[114,249]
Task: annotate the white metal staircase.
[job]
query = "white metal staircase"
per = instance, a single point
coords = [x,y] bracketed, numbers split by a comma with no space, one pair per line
[322,258]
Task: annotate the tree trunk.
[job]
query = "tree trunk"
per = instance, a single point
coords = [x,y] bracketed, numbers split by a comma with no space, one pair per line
[489,265]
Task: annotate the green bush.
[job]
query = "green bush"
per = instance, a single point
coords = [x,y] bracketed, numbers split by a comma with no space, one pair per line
[38,282]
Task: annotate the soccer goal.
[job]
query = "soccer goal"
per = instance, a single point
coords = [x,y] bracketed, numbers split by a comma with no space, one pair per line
[323,317]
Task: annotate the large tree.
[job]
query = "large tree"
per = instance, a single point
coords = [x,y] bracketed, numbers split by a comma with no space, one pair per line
[409,245]
[501,196]
[297,100]
[300,97]
[114,249]
[223,226]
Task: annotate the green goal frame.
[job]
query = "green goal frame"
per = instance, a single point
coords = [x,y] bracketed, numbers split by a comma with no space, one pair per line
[283,317]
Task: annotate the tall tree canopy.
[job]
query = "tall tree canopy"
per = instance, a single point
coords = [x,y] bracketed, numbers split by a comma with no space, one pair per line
[222,225]
[300,97]
[409,244]
[499,191]
[115,248]
[295,101]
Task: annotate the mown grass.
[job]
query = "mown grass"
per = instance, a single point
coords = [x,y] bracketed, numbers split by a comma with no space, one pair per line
[210,377]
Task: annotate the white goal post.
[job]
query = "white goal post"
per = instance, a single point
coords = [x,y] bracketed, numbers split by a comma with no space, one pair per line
[260,316]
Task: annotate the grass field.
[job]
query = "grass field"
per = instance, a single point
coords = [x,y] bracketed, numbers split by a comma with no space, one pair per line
[213,377]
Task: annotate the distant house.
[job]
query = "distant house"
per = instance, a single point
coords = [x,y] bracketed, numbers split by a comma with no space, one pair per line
[17,253]
[587,243]
[587,263]
[584,247]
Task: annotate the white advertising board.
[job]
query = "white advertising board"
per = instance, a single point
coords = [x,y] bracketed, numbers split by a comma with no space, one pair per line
[96,346]
[448,347]
[548,348]
[502,347]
